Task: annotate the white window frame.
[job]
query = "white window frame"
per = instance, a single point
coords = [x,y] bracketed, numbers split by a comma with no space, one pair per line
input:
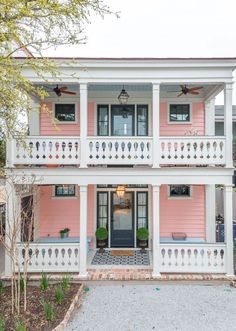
[68,102]
[179,103]
[180,197]
[54,196]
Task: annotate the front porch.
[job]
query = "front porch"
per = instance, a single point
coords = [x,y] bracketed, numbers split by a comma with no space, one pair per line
[199,253]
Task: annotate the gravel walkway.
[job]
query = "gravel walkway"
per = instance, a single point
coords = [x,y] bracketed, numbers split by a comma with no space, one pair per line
[156,307]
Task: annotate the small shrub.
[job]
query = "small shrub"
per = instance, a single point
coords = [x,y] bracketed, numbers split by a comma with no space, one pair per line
[101,234]
[65,283]
[142,234]
[20,325]
[44,282]
[49,310]
[22,284]
[2,323]
[1,287]
[59,295]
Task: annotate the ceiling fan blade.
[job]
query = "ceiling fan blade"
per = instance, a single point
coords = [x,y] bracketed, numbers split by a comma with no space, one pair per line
[196,88]
[179,95]
[192,92]
[68,92]
[63,88]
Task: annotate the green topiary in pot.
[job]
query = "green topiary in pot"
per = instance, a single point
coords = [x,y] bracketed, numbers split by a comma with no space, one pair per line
[101,235]
[142,236]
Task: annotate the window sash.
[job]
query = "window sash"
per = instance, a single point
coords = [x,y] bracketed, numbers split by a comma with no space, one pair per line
[179,191]
[102,209]
[142,122]
[65,112]
[103,123]
[64,190]
[179,113]
[142,210]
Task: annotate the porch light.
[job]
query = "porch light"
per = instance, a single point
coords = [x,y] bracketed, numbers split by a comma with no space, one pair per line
[120,191]
[123,96]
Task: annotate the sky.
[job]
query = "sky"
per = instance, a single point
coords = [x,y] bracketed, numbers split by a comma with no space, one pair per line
[161,28]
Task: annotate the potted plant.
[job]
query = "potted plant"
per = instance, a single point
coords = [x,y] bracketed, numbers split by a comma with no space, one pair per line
[142,236]
[64,233]
[101,235]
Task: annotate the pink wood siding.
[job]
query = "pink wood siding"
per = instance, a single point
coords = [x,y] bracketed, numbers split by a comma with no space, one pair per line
[183,215]
[59,213]
[47,128]
[198,121]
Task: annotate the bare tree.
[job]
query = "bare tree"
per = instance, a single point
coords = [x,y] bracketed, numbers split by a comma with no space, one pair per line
[17,234]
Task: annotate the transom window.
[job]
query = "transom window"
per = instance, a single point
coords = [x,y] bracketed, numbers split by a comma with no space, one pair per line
[176,191]
[65,190]
[179,113]
[122,120]
[65,112]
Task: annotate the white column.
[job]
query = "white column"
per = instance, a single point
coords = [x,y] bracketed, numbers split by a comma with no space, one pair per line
[10,155]
[83,124]
[34,118]
[228,126]
[228,224]
[83,232]
[156,124]
[210,197]
[156,231]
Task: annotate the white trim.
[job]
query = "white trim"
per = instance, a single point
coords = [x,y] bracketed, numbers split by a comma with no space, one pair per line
[67,102]
[181,197]
[179,103]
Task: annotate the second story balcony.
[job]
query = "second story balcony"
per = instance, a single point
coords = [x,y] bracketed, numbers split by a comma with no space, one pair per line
[179,151]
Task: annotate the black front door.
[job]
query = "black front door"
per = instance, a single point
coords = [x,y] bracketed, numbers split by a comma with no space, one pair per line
[122,220]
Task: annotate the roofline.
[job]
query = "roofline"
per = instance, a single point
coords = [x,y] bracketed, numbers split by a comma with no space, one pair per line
[140,58]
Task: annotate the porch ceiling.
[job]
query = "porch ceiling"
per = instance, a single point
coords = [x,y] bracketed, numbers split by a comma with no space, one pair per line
[166,90]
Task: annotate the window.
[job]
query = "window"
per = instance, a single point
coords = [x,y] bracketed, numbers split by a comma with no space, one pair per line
[103,120]
[102,212]
[142,120]
[142,210]
[219,128]
[65,190]
[122,120]
[176,191]
[65,112]
[179,113]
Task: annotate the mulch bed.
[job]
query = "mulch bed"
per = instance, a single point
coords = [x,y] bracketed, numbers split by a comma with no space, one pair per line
[34,316]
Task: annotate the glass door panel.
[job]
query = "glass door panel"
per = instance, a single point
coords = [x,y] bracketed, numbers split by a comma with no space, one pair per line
[122,120]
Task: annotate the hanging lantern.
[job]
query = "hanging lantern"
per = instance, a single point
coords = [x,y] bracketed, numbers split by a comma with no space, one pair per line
[120,191]
[123,96]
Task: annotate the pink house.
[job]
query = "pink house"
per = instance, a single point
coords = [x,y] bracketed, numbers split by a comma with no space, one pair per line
[132,147]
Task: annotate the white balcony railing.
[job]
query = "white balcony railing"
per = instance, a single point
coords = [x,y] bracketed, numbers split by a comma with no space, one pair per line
[118,150]
[193,258]
[193,150]
[48,150]
[53,257]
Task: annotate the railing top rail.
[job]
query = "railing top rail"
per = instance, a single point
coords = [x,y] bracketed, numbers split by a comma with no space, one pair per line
[119,137]
[48,137]
[192,137]
[48,244]
[194,244]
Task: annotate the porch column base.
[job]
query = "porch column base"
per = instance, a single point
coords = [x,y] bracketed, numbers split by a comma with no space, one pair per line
[83,276]
[156,275]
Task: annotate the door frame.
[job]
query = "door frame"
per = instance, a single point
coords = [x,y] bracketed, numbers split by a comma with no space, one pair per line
[133,219]
[135,190]
[133,108]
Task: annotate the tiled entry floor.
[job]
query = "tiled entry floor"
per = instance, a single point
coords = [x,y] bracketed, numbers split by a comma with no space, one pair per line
[107,259]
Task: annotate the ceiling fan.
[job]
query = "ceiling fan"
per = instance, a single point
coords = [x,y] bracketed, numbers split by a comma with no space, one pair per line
[185,90]
[59,90]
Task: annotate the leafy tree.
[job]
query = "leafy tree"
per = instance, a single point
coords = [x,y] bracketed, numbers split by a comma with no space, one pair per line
[34,26]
